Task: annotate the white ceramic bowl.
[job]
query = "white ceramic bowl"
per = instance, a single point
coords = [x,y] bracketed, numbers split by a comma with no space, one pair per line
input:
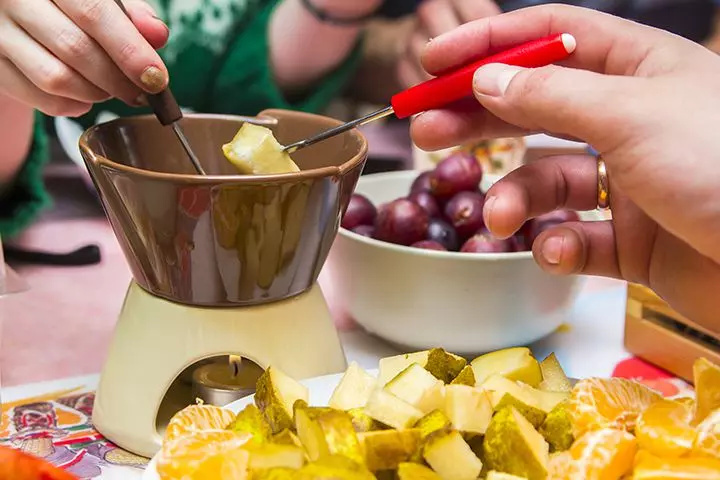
[465,303]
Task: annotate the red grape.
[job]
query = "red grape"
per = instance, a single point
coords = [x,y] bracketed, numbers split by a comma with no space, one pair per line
[365,230]
[465,212]
[429,245]
[457,173]
[426,201]
[443,233]
[421,183]
[402,222]
[535,226]
[360,211]
[485,242]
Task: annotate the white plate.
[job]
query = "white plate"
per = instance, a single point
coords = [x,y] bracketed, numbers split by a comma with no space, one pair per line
[321,389]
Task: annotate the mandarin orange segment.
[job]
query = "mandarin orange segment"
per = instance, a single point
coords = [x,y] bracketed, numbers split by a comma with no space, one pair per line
[560,466]
[204,455]
[605,454]
[650,467]
[707,441]
[196,418]
[664,428]
[598,403]
[706,376]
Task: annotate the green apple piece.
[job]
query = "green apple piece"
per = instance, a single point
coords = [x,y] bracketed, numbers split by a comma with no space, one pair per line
[554,378]
[275,395]
[386,449]
[513,446]
[415,471]
[255,151]
[443,365]
[270,455]
[386,408]
[450,456]
[362,422]
[329,433]
[506,393]
[495,475]
[468,408]
[557,429]
[512,363]
[413,386]
[465,377]
[354,389]
[251,420]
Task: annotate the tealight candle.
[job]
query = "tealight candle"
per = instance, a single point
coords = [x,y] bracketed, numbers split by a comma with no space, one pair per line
[222,383]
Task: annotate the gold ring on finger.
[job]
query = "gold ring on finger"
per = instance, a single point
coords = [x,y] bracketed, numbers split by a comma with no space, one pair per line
[603,185]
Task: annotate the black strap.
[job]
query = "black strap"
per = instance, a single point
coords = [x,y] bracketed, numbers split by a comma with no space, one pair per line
[325,17]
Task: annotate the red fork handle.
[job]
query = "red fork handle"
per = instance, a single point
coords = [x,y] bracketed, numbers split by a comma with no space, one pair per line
[456,85]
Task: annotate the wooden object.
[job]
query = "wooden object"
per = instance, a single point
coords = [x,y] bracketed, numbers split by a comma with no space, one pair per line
[659,335]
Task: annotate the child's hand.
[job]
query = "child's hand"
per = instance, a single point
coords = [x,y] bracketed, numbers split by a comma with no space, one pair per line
[62,56]
[435,17]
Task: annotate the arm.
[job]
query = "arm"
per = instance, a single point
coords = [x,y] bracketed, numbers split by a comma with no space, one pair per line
[15,137]
[304,49]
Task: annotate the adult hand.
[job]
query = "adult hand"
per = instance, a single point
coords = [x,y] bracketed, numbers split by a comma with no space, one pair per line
[435,17]
[648,101]
[61,56]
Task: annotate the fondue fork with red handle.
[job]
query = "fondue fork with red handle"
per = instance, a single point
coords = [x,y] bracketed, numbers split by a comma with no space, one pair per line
[455,85]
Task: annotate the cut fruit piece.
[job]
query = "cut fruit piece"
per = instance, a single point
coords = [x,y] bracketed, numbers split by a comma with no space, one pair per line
[354,389]
[443,365]
[269,455]
[386,449]
[362,422]
[554,378]
[707,441]
[251,420]
[706,377]
[275,474]
[433,422]
[197,418]
[557,428]
[334,467]
[507,393]
[664,428]
[451,457]
[389,410]
[286,437]
[468,408]
[255,151]
[495,475]
[415,471]
[432,399]
[275,396]
[465,377]
[512,363]
[512,445]
[560,466]
[328,433]
[606,454]
[650,467]
[547,399]
[208,454]
[597,403]
[412,384]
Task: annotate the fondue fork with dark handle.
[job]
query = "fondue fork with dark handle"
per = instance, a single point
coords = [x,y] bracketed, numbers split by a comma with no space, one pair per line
[168,113]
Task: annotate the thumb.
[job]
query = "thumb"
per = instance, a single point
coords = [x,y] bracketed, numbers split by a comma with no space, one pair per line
[562,101]
[148,23]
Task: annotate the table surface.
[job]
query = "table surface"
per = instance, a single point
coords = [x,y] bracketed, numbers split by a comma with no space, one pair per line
[54,336]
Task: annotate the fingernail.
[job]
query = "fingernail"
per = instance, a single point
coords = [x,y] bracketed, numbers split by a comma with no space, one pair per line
[493,79]
[487,210]
[154,79]
[552,249]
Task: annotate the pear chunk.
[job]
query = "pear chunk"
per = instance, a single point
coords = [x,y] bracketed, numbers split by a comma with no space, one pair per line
[354,389]
[386,449]
[513,446]
[512,363]
[415,471]
[505,393]
[275,396]
[465,377]
[495,475]
[468,408]
[554,378]
[251,420]
[443,365]
[557,428]
[451,457]
[255,151]
[389,410]
[327,433]
[417,387]
[362,422]
[270,455]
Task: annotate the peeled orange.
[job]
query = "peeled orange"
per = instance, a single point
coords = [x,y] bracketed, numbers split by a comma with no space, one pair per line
[205,455]
[650,467]
[706,376]
[598,403]
[197,418]
[605,454]
[664,428]
[707,441]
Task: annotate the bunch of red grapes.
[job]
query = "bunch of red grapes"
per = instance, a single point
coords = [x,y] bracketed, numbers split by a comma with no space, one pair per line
[443,211]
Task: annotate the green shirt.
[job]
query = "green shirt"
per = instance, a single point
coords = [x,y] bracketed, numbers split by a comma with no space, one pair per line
[218,59]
